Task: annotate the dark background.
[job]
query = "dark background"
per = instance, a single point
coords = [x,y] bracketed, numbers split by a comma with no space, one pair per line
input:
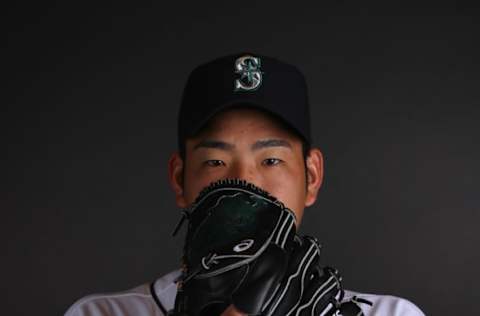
[90,109]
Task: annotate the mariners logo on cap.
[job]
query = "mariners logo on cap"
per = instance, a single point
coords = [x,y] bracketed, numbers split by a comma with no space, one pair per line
[248,67]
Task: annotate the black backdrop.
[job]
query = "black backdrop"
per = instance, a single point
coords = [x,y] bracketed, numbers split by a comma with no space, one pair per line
[91,100]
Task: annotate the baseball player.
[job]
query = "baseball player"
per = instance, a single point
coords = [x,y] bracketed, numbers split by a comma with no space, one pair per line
[244,172]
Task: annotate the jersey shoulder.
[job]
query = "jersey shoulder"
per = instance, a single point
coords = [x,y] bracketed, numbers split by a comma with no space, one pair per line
[384,304]
[112,304]
[146,299]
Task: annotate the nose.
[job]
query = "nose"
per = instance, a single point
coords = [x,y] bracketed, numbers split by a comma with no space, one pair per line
[245,171]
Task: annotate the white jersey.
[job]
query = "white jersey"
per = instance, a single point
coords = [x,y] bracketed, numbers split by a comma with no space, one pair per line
[157,298]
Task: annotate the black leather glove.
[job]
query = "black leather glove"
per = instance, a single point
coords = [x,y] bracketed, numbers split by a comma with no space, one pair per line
[236,250]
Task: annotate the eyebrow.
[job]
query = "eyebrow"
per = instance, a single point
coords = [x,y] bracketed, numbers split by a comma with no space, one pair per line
[216,144]
[270,143]
[260,144]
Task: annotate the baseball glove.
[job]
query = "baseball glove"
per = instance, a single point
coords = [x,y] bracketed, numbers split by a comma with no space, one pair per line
[241,248]
[236,249]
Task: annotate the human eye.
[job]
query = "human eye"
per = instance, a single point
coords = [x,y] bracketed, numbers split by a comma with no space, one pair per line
[214,163]
[271,161]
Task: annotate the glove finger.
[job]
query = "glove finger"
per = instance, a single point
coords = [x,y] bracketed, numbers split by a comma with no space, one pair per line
[302,263]
[322,287]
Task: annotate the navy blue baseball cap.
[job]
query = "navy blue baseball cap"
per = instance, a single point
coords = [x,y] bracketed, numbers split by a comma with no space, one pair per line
[244,79]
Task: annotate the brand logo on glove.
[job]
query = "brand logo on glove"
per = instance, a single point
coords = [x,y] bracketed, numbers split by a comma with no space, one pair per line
[250,75]
[243,245]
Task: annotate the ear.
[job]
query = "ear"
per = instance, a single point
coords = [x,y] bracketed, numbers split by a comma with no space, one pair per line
[314,175]
[175,177]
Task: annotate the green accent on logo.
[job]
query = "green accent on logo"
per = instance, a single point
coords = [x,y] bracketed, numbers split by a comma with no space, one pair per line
[248,67]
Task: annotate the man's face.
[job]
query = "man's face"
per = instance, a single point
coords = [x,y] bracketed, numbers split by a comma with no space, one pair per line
[246,144]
